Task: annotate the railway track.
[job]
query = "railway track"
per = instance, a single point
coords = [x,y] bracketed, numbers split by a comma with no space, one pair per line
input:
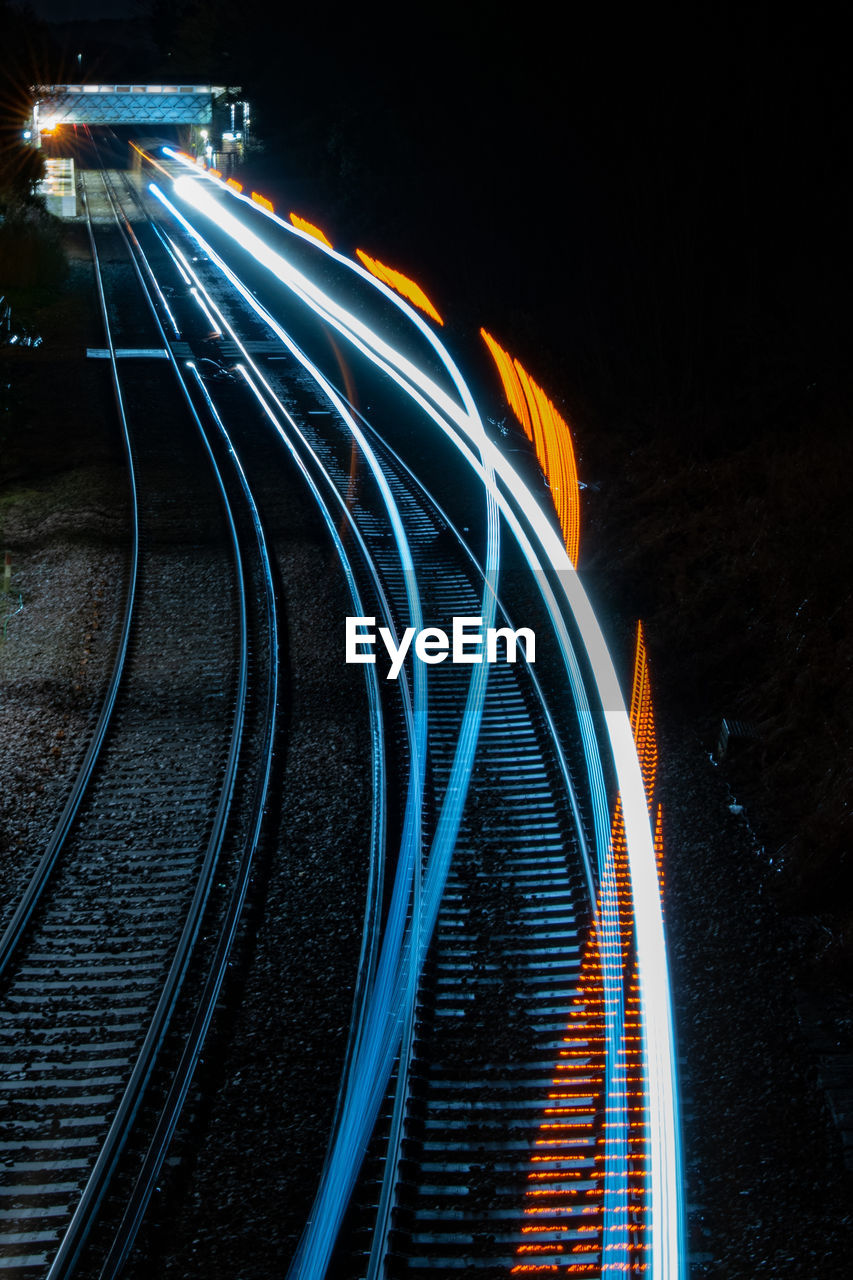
[519,868]
[503,965]
[518,871]
[111,967]
[489,844]
[466,1207]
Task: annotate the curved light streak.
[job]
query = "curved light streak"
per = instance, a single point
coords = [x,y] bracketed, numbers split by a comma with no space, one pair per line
[405,373]
[552,729]
[642,716]
[403,284]
[665,1258]
[409,377]
[614,1242]
[629,1230]
[549,433]
[404,947]
[551,437]
[302,224]
[379,1028]
[379,1024]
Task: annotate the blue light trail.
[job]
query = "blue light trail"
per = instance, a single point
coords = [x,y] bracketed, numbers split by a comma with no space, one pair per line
[506,489]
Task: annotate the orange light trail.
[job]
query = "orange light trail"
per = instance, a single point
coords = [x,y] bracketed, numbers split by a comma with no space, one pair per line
[263,202]
[234,184]
[408,288]
[302,224]
[642,719]
[581,1083]
[150,159]
[551,437]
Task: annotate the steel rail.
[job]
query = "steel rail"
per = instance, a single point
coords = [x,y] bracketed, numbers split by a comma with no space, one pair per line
[362,1011]
[167,1122]
[467,423]
[571,661]
[76,1233]
[388,1198]
[565,771]
[464,429]
[364,981]
[370,931]
[590,746]
[394,1146]
[612,717]
[289,435]
[409,863]
[371,938]
[400,958]
[36,887]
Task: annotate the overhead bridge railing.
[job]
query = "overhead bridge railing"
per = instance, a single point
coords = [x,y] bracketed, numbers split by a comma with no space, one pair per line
[55,90]
[117,104]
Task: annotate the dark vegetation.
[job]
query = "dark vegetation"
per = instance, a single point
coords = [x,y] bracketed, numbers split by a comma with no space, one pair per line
[32,254]
[31,251]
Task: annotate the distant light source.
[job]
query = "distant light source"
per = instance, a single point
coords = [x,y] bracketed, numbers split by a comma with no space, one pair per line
[28,133]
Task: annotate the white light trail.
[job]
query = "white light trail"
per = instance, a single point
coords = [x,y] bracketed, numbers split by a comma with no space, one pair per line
[404,946]
[665,1256]
[214,327]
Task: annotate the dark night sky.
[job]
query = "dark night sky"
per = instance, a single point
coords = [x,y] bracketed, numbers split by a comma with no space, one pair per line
[69,10]
[649,203]
[665,189]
